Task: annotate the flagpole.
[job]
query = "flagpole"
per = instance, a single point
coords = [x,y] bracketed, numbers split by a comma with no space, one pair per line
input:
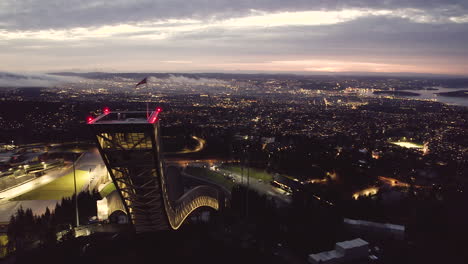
[145,81]
[147,103]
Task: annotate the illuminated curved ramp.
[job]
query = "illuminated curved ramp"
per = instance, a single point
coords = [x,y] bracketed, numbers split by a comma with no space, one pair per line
[130,147]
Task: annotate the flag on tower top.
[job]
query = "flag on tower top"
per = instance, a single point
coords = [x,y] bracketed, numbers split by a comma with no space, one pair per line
[142,82]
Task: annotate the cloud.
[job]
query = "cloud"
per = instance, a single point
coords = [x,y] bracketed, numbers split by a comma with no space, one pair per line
[163,29]
[33,80]
[397,42]
[178,62]
[216,35]
[176,80]
[60,14]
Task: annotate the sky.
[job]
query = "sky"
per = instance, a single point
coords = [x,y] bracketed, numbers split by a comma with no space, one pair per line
[297,36]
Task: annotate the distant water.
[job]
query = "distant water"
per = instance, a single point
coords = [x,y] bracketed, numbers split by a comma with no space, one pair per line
[432,95]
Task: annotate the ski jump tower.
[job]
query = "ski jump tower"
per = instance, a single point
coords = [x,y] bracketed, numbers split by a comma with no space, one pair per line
[129,143]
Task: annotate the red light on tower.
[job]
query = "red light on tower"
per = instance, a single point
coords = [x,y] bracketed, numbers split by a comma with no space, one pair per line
[154,116]
[90,119]
[106,110]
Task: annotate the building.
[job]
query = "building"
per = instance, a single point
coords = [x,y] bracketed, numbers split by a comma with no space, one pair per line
[375,229]
[344,252]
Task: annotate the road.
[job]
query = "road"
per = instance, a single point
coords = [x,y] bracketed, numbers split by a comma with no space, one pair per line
[261,187]
[8,208]
[200,146]
[35,183]
[267,188]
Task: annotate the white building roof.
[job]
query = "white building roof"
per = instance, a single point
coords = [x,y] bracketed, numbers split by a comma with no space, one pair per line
[352,243]
[325,256]
[374,224]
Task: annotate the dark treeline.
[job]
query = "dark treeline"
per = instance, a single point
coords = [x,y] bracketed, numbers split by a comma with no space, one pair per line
[27,231]
[261,228]
[305,226]
[435,228]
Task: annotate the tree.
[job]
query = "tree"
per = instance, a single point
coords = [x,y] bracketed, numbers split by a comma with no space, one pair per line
[21,229]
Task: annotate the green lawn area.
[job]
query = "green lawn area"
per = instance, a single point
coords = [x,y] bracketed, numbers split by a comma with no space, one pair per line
[57,189]
[3,242]
[210,175]
[3,239]
[254,173]
[110,187]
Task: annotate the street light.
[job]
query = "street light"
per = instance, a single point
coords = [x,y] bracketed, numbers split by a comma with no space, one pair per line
[76,194]
[89,180]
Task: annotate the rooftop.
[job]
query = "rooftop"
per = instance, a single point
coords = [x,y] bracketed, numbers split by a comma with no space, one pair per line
[125,117]
[352,243]
[374,224]
[344,251]
[325,256]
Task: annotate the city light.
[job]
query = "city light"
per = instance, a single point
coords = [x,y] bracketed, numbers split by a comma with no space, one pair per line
[351,126]
[366,192]
[407,144]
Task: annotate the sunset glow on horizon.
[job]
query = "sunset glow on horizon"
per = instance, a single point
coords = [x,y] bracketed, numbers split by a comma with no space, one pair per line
[282,37]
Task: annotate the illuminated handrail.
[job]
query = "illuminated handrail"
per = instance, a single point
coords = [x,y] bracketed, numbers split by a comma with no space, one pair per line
[200,196]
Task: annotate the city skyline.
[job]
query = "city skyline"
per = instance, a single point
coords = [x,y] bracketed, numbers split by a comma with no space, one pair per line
[306,37]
